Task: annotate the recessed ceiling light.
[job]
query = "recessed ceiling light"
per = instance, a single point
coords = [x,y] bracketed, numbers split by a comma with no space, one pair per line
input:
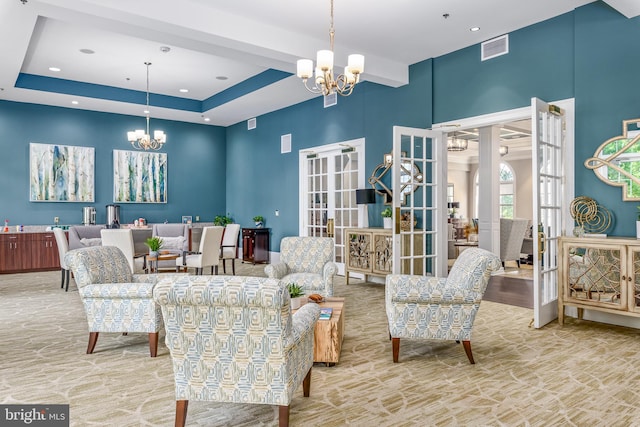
[56,69]
[184,90]
[221,77]
[474,29]
[75,102]
[146,111]
[207,119]
[87,51]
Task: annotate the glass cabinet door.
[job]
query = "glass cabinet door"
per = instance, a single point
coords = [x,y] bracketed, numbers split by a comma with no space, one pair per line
[596,276]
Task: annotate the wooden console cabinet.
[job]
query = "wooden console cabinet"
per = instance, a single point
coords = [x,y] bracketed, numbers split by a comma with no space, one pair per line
[255,245]
[23,252]
[600,274]
[370,251]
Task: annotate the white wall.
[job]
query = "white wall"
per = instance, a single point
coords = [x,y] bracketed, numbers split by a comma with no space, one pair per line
[524,189]
[458,175]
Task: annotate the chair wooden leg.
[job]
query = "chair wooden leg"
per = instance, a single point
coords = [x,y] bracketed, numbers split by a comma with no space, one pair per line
[68,276]
[93,339]
[283,415]
[62,284]
[395,344]
[233,266]
[181,412]
[467,349]
[224,266]
[153,343]
[306,384]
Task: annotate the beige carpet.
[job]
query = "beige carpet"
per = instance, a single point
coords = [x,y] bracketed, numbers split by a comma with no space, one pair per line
[583,374]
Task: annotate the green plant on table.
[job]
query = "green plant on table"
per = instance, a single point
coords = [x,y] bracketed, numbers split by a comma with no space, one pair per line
[154,243]
[295,290]
[258,218]
[222,220]
[387,213]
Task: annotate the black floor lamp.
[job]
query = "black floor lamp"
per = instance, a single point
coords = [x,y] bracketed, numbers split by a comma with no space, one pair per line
[366,197]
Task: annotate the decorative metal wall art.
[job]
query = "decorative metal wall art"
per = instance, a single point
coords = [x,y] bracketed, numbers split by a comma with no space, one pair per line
[617,161]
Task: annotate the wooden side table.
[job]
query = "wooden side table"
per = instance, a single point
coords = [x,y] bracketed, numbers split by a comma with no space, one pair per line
[328,334]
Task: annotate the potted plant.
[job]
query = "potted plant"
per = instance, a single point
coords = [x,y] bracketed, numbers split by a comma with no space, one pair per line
[259,220]
[154,243]
[386,217]
[222,220]
[295,292]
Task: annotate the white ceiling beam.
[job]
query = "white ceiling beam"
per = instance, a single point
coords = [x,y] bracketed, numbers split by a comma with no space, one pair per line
[629,8]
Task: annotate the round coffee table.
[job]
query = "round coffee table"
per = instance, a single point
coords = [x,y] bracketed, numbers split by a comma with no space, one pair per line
[153,261]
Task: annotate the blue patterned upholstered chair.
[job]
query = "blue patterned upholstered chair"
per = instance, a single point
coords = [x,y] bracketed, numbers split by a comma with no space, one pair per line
[307,261]
[436,308]
[114,299]
[233,339]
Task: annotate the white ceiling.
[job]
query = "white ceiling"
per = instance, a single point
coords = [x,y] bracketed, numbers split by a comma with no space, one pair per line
[236,39]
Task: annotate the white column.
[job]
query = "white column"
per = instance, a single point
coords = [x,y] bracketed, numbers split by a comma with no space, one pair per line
[489,189]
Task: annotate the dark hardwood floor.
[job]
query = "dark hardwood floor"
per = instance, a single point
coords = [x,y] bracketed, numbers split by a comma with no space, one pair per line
[510,290]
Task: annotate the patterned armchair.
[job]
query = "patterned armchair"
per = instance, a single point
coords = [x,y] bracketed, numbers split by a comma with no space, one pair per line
[307,261]
[233,339]
[114,299]
[438,308]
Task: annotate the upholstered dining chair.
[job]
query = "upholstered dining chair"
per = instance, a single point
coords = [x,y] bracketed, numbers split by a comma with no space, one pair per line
[63,248]
[512,233]
[208,254]
[234,339]
[229,247]
[439,308]
[114,299]
[307,261]
[122,238]
[175,238]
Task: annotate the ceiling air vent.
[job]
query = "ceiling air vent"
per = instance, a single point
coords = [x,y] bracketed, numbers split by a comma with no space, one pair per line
[251,123]
[494,47]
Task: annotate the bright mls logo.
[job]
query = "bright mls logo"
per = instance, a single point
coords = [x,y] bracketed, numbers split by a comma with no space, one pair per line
[34,415]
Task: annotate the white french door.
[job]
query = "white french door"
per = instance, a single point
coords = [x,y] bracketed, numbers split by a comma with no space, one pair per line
[420,199]
[329,176]
[548,140]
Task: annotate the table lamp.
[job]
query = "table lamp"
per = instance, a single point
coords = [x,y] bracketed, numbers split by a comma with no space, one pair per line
[365,197]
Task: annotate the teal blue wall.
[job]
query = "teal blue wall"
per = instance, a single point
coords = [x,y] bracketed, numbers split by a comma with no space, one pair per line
[589,54]
[539,63]
[261,179]
[195,153]
[607,85]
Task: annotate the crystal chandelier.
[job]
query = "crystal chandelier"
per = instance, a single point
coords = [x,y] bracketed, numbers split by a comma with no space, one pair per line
[140,139]
[324,82]
[457,144]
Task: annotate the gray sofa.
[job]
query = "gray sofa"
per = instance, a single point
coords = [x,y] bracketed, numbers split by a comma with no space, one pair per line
[84,236]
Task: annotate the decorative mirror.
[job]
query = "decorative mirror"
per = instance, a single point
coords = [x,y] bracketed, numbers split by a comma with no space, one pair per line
[617,161]
[409,174]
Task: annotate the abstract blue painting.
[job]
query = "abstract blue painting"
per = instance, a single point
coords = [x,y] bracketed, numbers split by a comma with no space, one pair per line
[139,177]
[61,173]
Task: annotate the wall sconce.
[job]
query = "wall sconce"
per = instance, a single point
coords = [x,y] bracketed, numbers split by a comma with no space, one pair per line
[503,150]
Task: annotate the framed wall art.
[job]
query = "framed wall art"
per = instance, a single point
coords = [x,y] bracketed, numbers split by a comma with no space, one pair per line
[61,173]
[139,177]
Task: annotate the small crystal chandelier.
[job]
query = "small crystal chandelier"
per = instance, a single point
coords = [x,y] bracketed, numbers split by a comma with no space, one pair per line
[324,82]
[457,144]
[140,139]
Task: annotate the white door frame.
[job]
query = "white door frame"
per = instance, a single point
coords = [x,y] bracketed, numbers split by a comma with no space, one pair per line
[359,145]
[523,113]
